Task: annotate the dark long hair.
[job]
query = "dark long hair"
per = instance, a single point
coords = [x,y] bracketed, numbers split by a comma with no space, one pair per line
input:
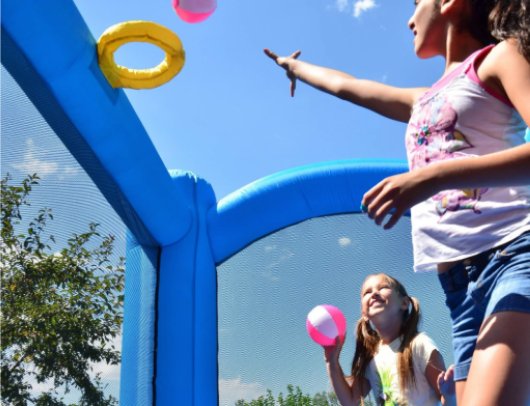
[367,342]
[492,21]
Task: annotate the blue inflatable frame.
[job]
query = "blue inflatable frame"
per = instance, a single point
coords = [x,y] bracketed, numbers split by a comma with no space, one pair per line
[189,232]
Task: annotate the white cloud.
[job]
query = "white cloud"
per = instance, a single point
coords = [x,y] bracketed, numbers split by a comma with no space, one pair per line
[342,5]
[270,247]
[344,241]
[32,165]
[69,171]
[362,5]
[231,390]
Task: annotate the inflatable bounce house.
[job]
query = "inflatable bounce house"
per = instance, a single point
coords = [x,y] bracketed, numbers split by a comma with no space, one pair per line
[216,292]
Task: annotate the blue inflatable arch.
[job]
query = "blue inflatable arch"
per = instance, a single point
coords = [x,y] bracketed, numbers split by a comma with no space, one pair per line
[170,336]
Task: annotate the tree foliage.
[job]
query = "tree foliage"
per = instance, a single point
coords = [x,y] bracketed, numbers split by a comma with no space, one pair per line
[295,397]
[61,307]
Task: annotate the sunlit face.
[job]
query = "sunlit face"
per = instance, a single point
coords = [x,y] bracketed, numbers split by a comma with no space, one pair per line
[429,28]
[379,302]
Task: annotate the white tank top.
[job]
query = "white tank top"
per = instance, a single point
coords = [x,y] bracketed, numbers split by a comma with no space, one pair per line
[460,118]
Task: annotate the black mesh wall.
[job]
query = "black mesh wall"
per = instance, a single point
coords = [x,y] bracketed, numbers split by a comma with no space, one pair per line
[38,138]
[266,291]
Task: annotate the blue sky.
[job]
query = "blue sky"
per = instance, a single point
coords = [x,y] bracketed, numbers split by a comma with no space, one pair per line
[228,116]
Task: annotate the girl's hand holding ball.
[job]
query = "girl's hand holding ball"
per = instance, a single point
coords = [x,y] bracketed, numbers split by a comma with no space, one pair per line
[332,352]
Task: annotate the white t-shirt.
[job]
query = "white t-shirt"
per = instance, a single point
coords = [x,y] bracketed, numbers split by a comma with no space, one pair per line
[383,376]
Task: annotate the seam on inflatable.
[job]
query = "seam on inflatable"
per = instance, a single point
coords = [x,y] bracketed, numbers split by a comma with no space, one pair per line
[217,327]
[193,287]
[155,346]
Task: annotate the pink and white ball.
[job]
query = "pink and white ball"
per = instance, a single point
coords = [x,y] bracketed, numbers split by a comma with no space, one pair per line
[324,323]
[194,11]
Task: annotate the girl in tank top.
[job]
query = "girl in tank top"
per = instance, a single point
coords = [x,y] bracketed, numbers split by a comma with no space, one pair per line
[468,186]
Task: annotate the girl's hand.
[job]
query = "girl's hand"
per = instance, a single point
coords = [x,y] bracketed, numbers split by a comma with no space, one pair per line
[399,193]
[285,62]
[332,352]
[446,383]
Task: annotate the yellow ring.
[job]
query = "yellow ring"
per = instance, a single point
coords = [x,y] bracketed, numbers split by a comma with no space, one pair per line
[140,31]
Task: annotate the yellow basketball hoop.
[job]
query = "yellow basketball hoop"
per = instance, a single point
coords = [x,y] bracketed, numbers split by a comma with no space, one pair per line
[140,31]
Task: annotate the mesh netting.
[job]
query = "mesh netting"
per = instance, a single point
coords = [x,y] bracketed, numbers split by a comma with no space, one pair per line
[30,146]
[266,291]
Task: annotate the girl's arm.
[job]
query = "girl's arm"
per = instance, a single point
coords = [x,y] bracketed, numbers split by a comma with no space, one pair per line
[392,102]
[440,380]
[401,192]
[347,394]
[509,69]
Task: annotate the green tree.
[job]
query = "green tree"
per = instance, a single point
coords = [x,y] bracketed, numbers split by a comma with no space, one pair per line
[295,397]
[60,311]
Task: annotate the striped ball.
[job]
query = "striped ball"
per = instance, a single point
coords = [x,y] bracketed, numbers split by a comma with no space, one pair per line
[325,323]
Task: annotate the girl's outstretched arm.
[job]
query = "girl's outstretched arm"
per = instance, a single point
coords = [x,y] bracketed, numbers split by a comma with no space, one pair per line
[392,102]
[348,394]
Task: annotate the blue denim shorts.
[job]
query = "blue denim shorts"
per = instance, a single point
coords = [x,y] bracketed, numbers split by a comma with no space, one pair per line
[493,281]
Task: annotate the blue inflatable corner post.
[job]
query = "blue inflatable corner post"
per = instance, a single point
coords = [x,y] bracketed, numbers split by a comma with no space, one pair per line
[187,307]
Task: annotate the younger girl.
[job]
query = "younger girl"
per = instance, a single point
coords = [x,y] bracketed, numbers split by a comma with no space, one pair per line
[468,184]
[400,365]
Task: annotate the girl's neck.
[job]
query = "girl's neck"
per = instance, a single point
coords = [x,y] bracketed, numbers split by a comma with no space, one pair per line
[388,331]
[459,45]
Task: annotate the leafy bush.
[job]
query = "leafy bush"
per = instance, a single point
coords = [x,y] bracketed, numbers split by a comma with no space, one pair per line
[60,311]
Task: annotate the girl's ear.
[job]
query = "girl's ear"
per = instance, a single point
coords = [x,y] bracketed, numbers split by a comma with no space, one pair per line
[450,7]
[363,316]
[405,304]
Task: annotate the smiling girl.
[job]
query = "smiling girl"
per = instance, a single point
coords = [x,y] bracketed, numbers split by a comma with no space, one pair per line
[468,185]
[392,359]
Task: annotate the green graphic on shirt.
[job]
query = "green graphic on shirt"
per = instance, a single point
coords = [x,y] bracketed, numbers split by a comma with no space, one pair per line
[386,396]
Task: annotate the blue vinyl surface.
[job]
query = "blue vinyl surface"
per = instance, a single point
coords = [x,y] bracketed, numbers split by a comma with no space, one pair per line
[288,197]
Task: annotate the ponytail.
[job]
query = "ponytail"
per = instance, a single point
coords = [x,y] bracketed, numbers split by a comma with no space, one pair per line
[492,21]
[511,19]
[409,330]
[366,343]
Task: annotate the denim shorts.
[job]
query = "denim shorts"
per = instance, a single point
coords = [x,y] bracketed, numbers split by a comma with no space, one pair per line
[493,281]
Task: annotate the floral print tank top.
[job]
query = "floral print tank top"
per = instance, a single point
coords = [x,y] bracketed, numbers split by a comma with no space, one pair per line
[460,118]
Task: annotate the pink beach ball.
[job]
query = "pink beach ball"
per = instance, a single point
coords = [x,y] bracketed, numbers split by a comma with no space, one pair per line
[194,11]
[324,323]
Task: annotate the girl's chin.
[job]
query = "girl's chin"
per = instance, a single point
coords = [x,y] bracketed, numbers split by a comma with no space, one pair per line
[423,52]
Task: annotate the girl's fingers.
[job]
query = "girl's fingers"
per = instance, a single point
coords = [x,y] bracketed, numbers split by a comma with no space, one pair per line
[270,54]
[293,86]
[394,219]
[385,208]
[378,201]
[441,378]
[369,196]
[449,375]
[296,54]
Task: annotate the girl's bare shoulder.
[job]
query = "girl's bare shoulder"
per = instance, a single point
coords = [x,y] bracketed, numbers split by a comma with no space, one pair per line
[504,67]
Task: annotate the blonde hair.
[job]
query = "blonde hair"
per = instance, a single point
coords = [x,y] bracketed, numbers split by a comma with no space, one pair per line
[367,341]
